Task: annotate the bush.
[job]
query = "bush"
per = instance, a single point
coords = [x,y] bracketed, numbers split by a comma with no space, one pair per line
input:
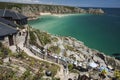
[1,61]
[6,73]
[26,75]
[38,76]
[43,37]
[54,49]
[4,52]
[55,78]
[117,74]
[69,48]
[32,38]
[70,67]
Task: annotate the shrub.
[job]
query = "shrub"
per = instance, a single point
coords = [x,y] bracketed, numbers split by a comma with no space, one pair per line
[117,74]
[55,78]
[43,37]
[70,67]
[32,38]
[25,75]
[1,61]
[38,76]
[54,49]
[69,47]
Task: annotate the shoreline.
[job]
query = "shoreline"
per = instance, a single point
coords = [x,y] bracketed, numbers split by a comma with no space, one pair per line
[94,47]
[50,14]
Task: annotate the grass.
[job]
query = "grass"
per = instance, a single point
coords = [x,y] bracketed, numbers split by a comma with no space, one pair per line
[54,49]
[29,63]
[69,47]
[54,39]
[32,38]
[117,74]
[43,37]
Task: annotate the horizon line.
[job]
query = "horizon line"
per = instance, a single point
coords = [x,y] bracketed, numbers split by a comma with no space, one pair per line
[56,4]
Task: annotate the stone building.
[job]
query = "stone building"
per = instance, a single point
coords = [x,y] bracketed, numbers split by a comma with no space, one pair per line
[9,21]
[7,34]
[15,17]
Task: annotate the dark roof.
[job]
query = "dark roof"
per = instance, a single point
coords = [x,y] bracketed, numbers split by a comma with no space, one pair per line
[12,14]
[7,22]
[6,30]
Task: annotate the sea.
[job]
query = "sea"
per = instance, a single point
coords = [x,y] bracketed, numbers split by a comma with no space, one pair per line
[100,32]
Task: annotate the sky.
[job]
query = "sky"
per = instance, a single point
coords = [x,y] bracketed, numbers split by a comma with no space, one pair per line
[80,3]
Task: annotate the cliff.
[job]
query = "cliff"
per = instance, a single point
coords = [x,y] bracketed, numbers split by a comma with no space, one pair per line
[60,55]
[34,10]
[76,54]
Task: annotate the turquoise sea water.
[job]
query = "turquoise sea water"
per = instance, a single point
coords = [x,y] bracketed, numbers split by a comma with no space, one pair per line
[101,32]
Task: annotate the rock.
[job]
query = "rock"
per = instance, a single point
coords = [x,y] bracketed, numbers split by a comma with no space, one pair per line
[6,60]
[113,62]
[95,11]
[33,10]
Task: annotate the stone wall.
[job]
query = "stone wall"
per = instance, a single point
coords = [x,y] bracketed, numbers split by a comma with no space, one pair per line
[5,42]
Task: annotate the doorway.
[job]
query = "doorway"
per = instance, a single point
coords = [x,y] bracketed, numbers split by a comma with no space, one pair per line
[11,42]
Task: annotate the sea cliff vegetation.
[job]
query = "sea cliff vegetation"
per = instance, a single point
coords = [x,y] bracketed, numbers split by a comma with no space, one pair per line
[70,49]
[20,66]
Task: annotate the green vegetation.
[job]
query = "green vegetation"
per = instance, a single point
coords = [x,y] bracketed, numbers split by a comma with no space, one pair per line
[38,76]
[54,49]
[21,59]
[65,54]
[1,61]
[43,37]
[26,75]
[32,38]
[117,74]
[4,52]
[55,78]
[70,67]
[6,73]
[54,39]
[69,48]
[9,5]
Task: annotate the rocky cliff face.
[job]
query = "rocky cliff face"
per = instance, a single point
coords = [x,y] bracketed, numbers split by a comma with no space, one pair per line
[32,10]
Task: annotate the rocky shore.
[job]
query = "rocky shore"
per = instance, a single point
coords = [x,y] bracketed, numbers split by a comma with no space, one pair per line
[85,60]
[65,58]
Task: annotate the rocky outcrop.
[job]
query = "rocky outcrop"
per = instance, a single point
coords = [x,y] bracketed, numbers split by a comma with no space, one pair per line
[34,10]
[113,62]
[84,59]
[95,11]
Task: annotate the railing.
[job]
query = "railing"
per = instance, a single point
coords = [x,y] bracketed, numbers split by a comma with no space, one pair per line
[42,55]
[47,57]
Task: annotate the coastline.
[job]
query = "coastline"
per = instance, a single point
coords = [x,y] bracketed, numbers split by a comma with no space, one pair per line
[56,15]
[85,37]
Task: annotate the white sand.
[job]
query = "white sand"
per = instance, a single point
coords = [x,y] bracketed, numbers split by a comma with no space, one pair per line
[45,13]
[57,15]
